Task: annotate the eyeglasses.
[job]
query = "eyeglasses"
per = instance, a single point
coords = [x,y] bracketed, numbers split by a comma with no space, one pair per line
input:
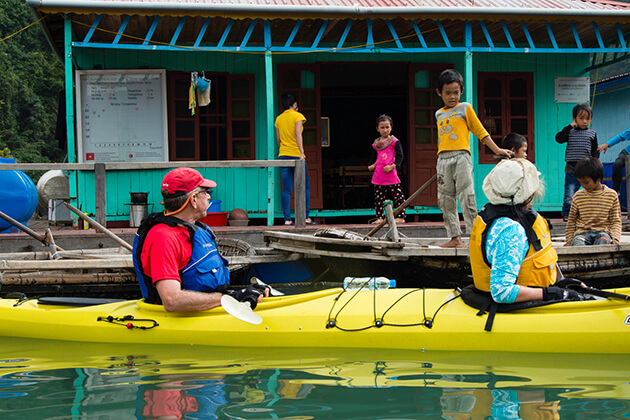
[207,192]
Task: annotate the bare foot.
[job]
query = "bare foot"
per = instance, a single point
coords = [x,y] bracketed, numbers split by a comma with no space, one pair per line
[399,220]
[377,221]
[288,223]
[455,242]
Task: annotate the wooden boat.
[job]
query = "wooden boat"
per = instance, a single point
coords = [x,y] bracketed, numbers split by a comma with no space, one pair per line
[420,262]
[397,319]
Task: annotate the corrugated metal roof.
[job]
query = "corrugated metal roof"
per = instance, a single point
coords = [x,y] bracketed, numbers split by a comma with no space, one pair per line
[342,8]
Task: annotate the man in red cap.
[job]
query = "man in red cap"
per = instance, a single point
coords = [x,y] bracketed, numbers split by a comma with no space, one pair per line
[175,256]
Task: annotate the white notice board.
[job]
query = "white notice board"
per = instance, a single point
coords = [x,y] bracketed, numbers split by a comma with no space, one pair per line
[572,89]
[122,116]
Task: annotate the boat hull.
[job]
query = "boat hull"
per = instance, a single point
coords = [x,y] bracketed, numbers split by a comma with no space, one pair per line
[414,319]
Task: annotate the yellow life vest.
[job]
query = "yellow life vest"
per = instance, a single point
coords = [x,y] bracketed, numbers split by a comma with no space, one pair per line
[538,268]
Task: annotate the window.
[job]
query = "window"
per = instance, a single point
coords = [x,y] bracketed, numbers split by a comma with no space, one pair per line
[506,104]
[222,130]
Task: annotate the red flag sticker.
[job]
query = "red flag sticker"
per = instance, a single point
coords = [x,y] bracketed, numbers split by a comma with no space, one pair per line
[89,156]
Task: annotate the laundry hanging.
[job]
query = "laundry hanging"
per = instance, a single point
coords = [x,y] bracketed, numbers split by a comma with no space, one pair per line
[204,87]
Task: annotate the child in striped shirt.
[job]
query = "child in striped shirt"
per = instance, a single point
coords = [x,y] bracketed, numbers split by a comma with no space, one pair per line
[581,142]
[595,217]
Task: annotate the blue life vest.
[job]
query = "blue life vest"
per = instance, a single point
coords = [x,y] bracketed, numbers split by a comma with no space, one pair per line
[205,272]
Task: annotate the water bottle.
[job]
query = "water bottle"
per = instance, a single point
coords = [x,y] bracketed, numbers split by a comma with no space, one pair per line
[368,283]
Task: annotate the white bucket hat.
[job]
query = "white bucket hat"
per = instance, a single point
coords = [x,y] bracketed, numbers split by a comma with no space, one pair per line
[512,181]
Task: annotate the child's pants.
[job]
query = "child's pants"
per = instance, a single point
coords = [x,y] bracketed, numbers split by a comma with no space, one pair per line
[454,178]
[380,193]
[591,237]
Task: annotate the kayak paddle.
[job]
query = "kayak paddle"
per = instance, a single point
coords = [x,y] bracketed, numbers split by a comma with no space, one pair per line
[598,292]
[240,310]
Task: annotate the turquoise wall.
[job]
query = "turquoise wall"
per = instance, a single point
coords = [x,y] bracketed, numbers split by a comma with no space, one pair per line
[247,188]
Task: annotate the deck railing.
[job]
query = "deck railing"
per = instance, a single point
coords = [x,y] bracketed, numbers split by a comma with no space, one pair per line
[100,170]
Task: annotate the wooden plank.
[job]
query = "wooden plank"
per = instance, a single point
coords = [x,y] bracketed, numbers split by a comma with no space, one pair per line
[113,263]
[99,193]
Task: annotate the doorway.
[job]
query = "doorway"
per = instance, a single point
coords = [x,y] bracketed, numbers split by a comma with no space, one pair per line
[353,95]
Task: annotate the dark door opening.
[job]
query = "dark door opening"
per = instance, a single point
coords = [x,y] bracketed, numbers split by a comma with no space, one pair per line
[353,95]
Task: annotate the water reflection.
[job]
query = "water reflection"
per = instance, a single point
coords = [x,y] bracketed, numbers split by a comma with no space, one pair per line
[42,379]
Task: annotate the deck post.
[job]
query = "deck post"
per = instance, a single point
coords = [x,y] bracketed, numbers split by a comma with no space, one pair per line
[299,186]
[69,92]
[271,134]
[99,194]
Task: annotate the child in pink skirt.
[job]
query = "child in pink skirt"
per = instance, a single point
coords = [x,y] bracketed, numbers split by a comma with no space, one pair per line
[387,155]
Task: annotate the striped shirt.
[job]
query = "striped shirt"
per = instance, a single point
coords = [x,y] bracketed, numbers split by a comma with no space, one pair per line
[597,210]
[580,143]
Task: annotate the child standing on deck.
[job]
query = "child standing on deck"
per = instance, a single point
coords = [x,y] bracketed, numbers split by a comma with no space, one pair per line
[387,155]
[581,142]
[595,216]
[455,121]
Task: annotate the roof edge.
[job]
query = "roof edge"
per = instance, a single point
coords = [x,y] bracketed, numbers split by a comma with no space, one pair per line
[144,7]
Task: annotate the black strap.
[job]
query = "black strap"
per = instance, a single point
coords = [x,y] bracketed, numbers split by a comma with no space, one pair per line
[490,212]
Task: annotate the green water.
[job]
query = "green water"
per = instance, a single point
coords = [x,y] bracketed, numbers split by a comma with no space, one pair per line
[56,380]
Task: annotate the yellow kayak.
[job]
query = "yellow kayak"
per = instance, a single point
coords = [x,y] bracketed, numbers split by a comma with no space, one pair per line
[401,319]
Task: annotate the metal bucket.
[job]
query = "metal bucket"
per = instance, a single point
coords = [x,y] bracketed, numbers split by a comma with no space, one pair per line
[137,213]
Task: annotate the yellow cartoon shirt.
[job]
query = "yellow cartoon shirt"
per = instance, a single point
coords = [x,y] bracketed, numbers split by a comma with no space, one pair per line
[454,127]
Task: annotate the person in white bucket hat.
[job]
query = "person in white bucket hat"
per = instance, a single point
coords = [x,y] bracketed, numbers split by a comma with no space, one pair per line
[511,255]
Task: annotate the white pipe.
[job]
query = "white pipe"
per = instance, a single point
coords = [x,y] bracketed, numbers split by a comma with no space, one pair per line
[356,10]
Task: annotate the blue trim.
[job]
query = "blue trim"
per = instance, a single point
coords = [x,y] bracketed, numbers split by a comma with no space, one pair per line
[575,35]
[226,32]
[551,36]
[370,34]
[152,29]
[345,34]
[530,41]
[486,34]
[202,32]
[122,28]
[600,41]
[468,34]
[419,34]
[267,33]
[293,33]
[252,25]
[320,34]
[394,34]
[622,39]
[349,49]
[443,32]
[507,34]
[88,36]
[178,30]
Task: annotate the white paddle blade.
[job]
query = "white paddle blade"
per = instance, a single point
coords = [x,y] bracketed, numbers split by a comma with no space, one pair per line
[240,310]
[272,291]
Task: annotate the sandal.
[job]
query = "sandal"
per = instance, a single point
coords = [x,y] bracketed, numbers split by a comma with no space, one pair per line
[288,223]
[310,221]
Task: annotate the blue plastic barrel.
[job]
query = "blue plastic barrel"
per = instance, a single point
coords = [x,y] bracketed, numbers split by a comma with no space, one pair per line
[18,197]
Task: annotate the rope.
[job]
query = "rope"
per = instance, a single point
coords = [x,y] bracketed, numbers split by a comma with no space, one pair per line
[23,29]
[378,323]
[125,321]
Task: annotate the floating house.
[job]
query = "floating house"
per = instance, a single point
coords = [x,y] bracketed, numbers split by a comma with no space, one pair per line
[129,66]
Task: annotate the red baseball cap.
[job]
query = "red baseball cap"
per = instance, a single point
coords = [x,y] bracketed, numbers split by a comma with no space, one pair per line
[183,180]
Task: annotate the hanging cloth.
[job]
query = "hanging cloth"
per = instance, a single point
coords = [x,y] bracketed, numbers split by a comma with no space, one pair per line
[192,101]
[203,89]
